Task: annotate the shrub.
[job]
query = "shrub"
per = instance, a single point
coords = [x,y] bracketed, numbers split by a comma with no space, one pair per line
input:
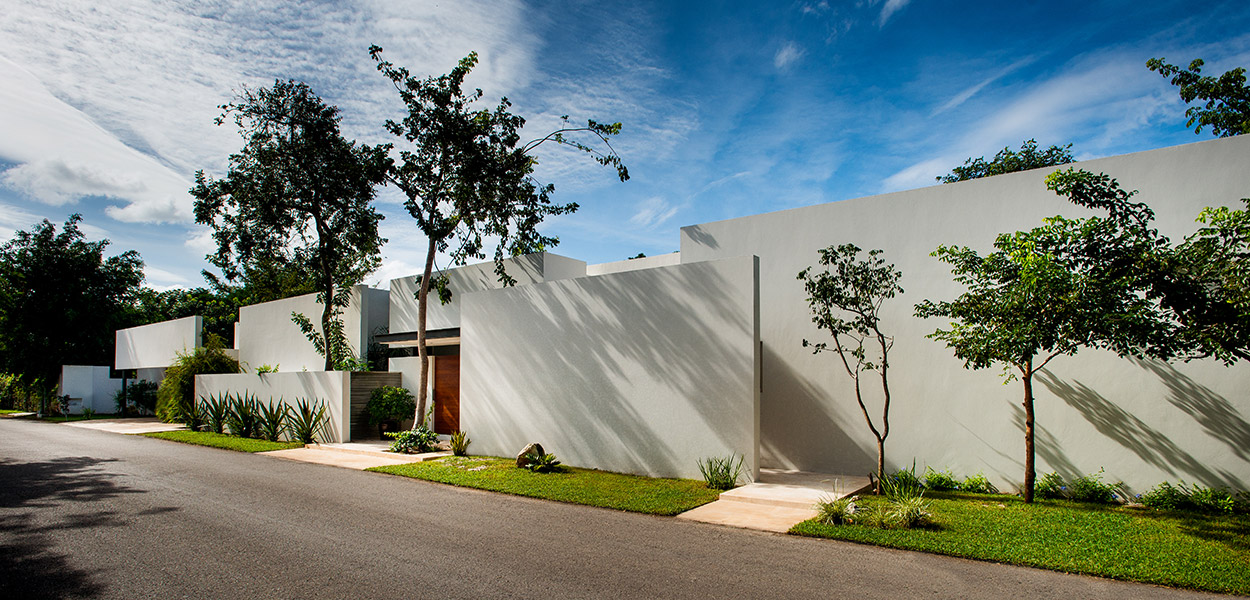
[1165,496]
[940,480]
[1090,488]
[87,413]
[273,420]
[1212,500]
[214,411]
[264,369]
[903,483]
[418,439]
[541,462]
[907,513]
[721,473]
[306,421]
[141,394]
[460,443]
[1220,500]
[176,394]
[1050,486]
[978,484]
[243,418]
[837,512]
[389,403]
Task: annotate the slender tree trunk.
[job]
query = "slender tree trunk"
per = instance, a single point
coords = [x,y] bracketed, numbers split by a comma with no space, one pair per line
[325,327]
[423,297]
[1029,473]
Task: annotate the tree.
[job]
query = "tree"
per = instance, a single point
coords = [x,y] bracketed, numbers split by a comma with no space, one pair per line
[1214,310]
[1008,161]
[1227,107]
[61,300]
[467,176]
[1052,290]
[846,299]
[297,194]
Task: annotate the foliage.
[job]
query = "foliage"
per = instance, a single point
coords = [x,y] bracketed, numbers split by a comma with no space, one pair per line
[1210,305]
[61,301]
[978,484]
[845,298]
[176,395]
[273,417]
[266,369]
[459,443]
[467,178]
[1166,548]
[907,512]
[141,394]
[226,442]
[1008,161]
[297,193]
[721,473]
[580,486]
[836,511]
[307,421]
[243,418]
[542,462]
[88,413]
[1050,486]
[901,485]
[1091,488]
[389,403]
[215,410]
[416,440]
[940,480]
[1227,108]
[1215,500]
[18,394]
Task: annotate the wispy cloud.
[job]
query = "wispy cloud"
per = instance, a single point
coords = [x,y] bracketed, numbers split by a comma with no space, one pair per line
[889,8]
[652,212]
[971,91]
[788,54]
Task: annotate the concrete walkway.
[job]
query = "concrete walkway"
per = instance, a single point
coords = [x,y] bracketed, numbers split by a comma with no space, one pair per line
[128,426]
[778,501]
[352,455]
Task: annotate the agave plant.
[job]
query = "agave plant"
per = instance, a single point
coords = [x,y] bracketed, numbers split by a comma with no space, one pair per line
[541,462]
[273,419]
[460,443]
[215,410]
[306,421]
[243,419]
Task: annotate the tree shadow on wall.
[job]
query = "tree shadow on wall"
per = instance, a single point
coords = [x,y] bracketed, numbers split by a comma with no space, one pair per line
[1148,443]
[1215,413]
[1046,445]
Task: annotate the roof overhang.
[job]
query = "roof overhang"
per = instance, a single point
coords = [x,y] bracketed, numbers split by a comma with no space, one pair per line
[408,339]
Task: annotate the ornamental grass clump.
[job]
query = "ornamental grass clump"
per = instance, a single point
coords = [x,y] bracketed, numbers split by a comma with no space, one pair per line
[837,512]
[459,443]
[721,473]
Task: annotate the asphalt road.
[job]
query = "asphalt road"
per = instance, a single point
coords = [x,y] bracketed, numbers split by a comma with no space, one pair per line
[91,514]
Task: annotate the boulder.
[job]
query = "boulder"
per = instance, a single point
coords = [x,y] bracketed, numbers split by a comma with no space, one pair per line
[522,461]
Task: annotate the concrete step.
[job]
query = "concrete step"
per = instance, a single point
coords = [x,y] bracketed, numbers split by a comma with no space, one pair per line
[795,489]
[377,449]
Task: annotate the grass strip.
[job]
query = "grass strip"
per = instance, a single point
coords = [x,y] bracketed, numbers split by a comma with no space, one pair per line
[1203,552]
[605,489]
[10,412]
[217,440]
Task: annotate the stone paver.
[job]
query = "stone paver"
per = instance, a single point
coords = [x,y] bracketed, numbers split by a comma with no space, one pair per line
[777,502]
[127,426]
[360,459]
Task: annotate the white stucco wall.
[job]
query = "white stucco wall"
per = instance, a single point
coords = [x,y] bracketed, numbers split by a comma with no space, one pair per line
[156,345]
[331,387]
[1142,422]
[634,264]
[643,372]
[92,385]
[266,335]
[526,270]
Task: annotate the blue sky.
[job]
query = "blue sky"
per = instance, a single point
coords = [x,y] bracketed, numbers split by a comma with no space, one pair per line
[729,109]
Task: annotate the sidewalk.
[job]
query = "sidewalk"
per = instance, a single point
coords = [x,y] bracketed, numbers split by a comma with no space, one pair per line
[128,426]
[778,501]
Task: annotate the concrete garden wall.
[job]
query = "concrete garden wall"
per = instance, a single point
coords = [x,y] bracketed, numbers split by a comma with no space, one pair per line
[331,387]
[156,346]
[1144,422]
[92,385]
[642,372]
[266,335]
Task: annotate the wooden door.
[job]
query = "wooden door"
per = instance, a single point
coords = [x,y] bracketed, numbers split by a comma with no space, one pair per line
[446,394]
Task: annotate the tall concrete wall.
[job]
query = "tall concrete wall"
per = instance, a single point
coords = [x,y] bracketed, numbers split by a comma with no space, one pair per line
[266,335]
[92,385]
[643,372]
[1144,422]
[526,270]
[156,345]
[331,387]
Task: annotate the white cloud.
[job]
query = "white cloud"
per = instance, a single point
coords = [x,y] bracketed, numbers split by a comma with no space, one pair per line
[653,212]
[891,7]
[969,92]
[787,55]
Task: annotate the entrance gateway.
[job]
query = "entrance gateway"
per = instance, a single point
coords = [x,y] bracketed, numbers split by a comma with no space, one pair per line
[443,346]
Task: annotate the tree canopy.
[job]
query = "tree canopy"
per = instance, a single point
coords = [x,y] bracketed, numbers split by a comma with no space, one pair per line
[1225,99]
[297,194]
[61,299]
[467,177]
[1009,161]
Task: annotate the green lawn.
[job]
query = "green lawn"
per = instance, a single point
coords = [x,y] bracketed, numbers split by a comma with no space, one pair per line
[579,486]
[1203,552]
[217,440]
[69,418]
[10,412]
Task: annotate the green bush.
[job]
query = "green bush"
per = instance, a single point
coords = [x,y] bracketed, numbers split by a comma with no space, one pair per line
[1050,486]
[176,395]
[389,403]
[87,413]
[940,480]
[273,420]
[1091,488]
[903,483]
[460,443]
[243,418]
[978,484]
[214,411]
[721,473]
[1213,500]
[418,439]
[306,421]
[837,512]
[1166,496]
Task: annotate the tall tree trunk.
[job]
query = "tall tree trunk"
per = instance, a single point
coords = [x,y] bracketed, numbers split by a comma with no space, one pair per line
[423,297]
[326,313]
[1029,473]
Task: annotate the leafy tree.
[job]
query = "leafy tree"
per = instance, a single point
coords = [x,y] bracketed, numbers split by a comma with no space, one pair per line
[1009,161]
[1214,309]
[61,300]
[175,398]
[297,194]
[1227,98]
[467,176]
[846,299]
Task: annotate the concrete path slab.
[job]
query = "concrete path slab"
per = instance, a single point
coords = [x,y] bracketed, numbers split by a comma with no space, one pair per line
[127,426]
[350,458]
[778,501]
[17,415]
[777,519]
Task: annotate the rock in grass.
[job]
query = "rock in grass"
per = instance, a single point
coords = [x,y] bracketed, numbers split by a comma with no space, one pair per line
[522,459]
